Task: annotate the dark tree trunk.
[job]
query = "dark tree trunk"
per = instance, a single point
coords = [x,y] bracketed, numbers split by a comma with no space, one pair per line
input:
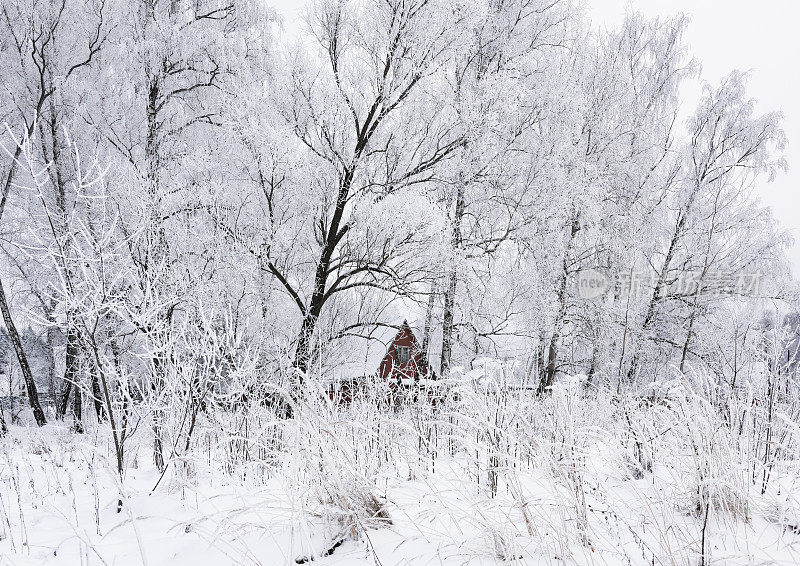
[52,153]
[448,325]
[552,349]
[156,237]
[158,416]
[685,349]
[97,396]
[333,235]
[551,366]
[63,401]
[71,359]
[51,361]
[10,176]
[77,409]
[302,358]
[593,363]
[30,384]
[158,444]
[72,376]
[332,227]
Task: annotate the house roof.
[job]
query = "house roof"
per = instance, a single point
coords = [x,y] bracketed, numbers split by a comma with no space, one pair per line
[362,355]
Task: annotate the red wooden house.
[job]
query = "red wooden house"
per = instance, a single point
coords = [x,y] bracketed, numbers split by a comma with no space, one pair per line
[404,359]
[402,365]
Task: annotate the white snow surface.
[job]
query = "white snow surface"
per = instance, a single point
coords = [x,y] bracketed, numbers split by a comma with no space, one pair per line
[59,496]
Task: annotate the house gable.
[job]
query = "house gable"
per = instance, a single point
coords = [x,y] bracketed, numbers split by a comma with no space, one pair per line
[404,358]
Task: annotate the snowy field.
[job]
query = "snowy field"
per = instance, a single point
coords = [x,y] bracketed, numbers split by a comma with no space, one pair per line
[573,479]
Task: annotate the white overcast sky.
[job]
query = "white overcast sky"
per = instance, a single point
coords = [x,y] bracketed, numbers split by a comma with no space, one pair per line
[759,36]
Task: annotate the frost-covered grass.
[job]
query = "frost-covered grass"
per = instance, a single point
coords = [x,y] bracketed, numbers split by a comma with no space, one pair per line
[489,476]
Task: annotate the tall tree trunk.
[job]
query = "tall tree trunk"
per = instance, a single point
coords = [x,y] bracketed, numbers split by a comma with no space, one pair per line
[590,375]
[51,362]
[649,316]
[63,400]
[158,246]
[61,230]
[117,434]
[696,299]
[624,338]
[685,349]
[77,409]
[540,357]
[30,384]
[158,416]
[426,332]
[97,395]
[551,365]
[332,236]
[71,360]
[552,348]
[10,178]
[447,324]
[302,356]
[456,242]
[661,283]
[3,427]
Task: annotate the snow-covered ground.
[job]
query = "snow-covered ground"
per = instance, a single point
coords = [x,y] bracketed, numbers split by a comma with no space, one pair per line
[362,491]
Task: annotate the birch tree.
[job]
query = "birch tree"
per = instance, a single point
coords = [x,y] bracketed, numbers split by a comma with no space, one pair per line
[729,146]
